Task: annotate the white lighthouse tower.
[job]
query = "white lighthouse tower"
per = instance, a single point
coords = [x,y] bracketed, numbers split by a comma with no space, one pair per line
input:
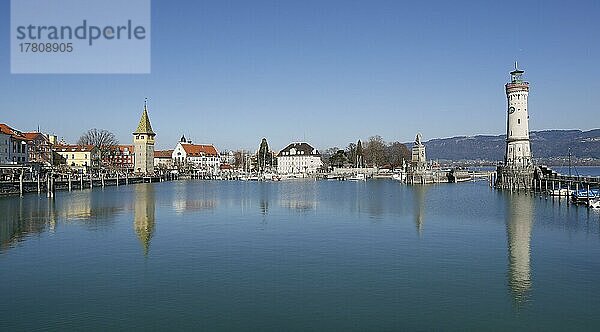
[517,172]
[518,149]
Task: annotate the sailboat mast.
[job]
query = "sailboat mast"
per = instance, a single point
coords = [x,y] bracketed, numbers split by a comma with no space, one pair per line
[569,161]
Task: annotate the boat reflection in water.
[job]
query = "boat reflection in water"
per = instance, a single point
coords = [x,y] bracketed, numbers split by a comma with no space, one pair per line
[518,229]
[143,214]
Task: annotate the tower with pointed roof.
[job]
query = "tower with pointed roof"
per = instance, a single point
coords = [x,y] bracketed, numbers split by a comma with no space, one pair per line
[143,144]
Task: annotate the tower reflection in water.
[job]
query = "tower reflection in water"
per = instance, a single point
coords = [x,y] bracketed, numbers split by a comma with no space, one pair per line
[419,206]
[143,214]
[518,229]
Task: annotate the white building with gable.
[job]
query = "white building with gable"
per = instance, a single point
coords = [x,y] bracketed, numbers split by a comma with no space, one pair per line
[298,158]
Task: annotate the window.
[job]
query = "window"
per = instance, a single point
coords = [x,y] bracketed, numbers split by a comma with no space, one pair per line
[519,121]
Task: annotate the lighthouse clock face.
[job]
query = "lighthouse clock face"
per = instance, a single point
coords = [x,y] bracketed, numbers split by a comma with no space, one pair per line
[511,110]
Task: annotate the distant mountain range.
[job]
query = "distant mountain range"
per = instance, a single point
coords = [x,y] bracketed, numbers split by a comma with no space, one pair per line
[546,144]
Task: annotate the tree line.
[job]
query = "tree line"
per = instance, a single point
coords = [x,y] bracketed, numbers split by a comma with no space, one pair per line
[375,152]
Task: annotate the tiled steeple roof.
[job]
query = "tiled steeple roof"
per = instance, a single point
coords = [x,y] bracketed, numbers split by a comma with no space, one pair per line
[144,127]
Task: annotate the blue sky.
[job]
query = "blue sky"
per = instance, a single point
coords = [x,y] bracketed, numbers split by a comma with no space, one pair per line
[328,72]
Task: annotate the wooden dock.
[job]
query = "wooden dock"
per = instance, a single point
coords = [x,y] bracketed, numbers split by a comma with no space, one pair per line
[49,183]
[575,189]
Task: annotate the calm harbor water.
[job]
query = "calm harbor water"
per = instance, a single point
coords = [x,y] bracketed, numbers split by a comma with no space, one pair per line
[298,255]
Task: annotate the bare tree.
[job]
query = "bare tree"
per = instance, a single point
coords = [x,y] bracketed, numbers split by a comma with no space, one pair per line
[375,151]
[397,152]
[103,139]
[326,154]
[99,138]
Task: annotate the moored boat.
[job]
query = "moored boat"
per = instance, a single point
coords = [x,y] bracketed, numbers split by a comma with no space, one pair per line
[583,195]
[358,177]
[399,176]
[561,192]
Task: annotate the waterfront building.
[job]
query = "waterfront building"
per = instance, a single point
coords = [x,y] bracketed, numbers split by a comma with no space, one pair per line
[84,158]
[39,147]
[4,147]
[227,157]
[120,157]
[298,158]
[13,146]
[517,170]
[163,159]
[199,156]
[143,145]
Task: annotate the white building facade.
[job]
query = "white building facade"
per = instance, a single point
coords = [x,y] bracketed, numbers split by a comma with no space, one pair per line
[4,148]
[13,146]
[199,156]
[299,158]
[227,157]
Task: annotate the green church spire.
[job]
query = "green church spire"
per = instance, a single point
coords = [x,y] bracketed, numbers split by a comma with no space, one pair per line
[144,127]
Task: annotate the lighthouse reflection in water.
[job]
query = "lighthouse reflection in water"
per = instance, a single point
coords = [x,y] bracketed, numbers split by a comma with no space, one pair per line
[518,229]
[324,255]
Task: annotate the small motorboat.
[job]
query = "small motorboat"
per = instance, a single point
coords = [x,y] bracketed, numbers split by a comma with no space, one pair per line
[582,196]
[399,176]
[358,177]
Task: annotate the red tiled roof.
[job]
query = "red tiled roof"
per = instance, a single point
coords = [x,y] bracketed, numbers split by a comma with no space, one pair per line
[199,150]
[32,135]
[73,148]
[5,129]
[163,154]
[122,148]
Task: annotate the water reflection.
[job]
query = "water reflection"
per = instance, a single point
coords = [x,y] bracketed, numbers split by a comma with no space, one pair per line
[299,195]
[143,214]
[78,206]
[184,200]
[419,201]
[23,218]
[265,191]
[518,228]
